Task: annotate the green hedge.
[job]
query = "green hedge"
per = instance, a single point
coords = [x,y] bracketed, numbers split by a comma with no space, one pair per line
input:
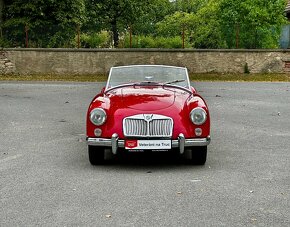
[152,42]
[95,40]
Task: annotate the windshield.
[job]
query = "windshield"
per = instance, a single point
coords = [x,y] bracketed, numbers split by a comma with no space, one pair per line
[148,74]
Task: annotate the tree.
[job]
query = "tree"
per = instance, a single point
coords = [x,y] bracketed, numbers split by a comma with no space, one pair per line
[50,22]
[1,16]
[172,25]
[145,23]
[188,6]
[252,23]
[198,20]
[116,15]
[205,23]
[206,32]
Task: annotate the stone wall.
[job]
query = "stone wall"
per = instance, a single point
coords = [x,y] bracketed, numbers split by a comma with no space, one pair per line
[6,66]
[90,61]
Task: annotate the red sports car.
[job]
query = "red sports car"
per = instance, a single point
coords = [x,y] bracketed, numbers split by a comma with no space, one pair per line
[147,108]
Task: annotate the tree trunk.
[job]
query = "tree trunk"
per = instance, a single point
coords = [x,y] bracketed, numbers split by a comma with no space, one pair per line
[237,35]
[115,33]
[1,16]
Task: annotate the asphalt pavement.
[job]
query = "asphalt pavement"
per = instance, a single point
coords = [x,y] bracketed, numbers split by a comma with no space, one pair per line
[46,178]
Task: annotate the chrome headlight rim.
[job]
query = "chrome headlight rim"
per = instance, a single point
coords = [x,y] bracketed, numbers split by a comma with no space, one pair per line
[98,116]
[198,116]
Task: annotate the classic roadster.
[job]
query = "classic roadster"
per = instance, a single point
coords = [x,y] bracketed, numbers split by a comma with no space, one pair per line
[148,108]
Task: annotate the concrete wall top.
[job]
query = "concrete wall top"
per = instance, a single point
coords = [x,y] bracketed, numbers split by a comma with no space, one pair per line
[142,50]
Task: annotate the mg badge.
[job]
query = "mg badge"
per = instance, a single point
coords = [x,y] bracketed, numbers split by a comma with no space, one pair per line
[148,117]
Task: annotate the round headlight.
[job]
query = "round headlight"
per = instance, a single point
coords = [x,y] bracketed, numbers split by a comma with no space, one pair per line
[98,116]
[198,116]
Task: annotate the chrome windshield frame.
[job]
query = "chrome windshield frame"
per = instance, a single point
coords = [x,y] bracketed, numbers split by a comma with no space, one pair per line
[187,87]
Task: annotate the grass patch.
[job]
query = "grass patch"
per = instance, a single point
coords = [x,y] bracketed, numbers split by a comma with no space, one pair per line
[55,77]
[259,77]
[269,77]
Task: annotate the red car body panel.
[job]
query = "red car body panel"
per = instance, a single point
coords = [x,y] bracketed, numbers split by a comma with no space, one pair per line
[131,100]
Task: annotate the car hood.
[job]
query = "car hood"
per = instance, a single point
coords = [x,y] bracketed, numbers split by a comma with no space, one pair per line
[147,98]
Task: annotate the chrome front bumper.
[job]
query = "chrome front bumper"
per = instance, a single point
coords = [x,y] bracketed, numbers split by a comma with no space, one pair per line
[180,143]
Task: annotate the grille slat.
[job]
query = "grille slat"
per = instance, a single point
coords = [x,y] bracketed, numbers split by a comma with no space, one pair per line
[156,126]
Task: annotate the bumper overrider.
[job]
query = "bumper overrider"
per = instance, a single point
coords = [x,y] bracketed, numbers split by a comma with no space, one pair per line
[180,143]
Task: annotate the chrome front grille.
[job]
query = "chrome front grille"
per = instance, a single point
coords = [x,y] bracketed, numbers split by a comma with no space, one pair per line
[135,127]
[148,125]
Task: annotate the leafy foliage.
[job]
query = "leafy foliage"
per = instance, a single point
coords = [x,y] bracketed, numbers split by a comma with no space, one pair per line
[152,23]
[95,40]
[252,23]
[51,23]
[155,12]
[117,15]
[148,41]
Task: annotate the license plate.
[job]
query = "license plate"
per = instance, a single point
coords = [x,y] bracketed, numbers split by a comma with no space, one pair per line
[148,144]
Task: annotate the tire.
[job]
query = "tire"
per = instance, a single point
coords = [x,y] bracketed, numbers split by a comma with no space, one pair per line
[96,155]
[197,155]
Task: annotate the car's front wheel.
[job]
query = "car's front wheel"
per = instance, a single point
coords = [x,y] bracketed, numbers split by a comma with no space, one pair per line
[96,155]
[197,155]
